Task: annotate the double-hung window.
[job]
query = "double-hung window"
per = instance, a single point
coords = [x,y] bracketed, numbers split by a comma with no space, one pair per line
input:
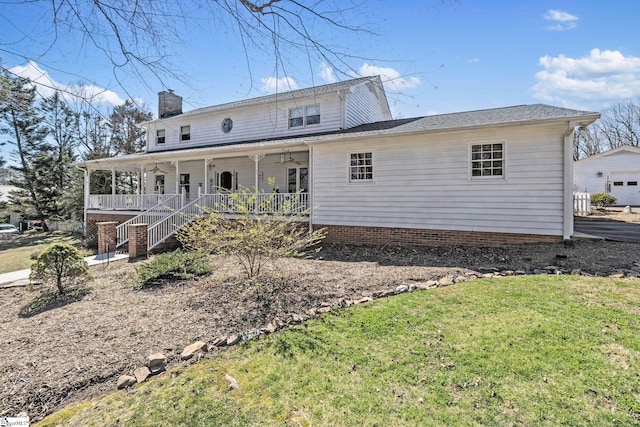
[487,160]
[185,133]
[361,167]
[304,116]
[160,136]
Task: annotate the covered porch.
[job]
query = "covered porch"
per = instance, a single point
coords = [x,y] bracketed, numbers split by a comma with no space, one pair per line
[280,180]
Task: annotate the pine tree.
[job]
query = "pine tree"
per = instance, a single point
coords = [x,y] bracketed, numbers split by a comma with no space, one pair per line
[19,119]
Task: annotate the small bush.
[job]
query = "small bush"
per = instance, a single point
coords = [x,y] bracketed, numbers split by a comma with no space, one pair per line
[62,265]
[602,200]
[176,265]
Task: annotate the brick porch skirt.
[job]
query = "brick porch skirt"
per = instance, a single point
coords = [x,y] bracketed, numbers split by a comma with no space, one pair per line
[92,229]
[419,237]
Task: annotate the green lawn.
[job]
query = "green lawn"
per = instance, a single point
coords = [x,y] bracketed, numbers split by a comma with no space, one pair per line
[534,350]
[15,252]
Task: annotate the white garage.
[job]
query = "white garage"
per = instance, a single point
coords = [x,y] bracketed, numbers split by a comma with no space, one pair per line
[615,171]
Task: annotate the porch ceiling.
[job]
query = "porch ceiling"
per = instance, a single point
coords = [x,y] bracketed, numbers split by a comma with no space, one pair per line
[132,162]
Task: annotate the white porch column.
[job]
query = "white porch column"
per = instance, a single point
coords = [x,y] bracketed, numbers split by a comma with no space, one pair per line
[113,181]
[256,158]
[177,165]
[206,176]
[87,192]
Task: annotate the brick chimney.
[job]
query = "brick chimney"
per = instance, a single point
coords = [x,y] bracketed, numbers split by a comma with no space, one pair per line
[169,104]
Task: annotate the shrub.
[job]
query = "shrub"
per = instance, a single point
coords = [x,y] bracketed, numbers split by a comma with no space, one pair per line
[62,265]
[176,265]
[602,200]
[253,238]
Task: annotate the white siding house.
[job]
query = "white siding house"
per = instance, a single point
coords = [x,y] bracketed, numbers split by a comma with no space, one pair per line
[501,175]
[616,171]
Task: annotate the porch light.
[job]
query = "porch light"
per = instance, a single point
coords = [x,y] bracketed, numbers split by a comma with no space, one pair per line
[599,174]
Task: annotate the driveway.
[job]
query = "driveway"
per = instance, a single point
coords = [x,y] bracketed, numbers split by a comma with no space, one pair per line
[618,231]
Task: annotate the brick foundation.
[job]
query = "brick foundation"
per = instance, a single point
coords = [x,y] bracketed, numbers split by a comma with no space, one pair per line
[92,228]
[418,237]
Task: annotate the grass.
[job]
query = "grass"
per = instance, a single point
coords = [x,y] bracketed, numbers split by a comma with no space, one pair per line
[16,252]
[535,350]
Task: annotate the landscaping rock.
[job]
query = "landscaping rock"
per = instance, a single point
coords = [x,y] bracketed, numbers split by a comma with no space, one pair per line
[156,369]
[251,334]
[190,350]
[269,329]
[233,339]
[616,275]
[220,341]
[401,289]
[142,373]
[323,309]
[125,381]
[446,281]
[156,359]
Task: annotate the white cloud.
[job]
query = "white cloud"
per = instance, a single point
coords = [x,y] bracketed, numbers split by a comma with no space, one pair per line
[274,85]
[46,86]
[327,73]
[561,20]
[391,78]
[473,60]
[599,78]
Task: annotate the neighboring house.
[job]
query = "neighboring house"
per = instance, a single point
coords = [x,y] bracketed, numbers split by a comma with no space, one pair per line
[501,175]
[8,214]
[616,171]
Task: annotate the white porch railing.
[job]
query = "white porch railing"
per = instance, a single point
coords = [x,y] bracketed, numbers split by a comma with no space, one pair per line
[581,203]
[126,201]
[153,215]
[264,203]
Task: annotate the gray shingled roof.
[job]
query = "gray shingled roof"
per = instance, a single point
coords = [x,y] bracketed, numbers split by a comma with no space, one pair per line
[478,118]
[284,96]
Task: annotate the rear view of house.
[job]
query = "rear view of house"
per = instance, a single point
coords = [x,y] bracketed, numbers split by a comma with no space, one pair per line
[502,175]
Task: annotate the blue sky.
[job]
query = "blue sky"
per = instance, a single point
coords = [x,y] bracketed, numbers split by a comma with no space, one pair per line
[438,56]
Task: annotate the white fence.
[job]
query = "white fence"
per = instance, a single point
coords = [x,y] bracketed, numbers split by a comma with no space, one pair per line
[581,203]
[73,226]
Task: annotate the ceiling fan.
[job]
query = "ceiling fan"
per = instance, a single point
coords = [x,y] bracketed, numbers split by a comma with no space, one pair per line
[157,170]
[290,159]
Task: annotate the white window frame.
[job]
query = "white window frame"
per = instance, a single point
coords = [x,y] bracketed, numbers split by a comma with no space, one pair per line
[471,161]
[304,116]
[350,166]
[158,136]
[185,136]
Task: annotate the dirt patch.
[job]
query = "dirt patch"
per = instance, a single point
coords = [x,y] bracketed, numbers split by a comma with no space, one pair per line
[612,214]
[75,351]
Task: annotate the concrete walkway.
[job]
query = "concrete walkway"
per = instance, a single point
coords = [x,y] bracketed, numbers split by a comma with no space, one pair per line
[21,277]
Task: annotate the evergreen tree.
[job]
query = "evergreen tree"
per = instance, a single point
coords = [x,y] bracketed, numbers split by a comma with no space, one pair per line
[62,124]
[127,138]
[19,119]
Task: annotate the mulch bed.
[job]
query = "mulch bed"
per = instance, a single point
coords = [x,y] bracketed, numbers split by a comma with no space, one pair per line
[75,350]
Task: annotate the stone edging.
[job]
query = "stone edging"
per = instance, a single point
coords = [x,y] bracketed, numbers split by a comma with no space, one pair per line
[157,363]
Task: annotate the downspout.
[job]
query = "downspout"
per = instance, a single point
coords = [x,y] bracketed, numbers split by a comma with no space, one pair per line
[568,183]
[311,189]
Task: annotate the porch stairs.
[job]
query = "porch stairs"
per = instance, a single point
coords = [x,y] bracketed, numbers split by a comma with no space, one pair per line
[166,218]
[161,230]
[151,216]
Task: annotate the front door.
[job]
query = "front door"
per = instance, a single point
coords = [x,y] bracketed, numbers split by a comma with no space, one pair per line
[159,186]
[184,185]
[297,180]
